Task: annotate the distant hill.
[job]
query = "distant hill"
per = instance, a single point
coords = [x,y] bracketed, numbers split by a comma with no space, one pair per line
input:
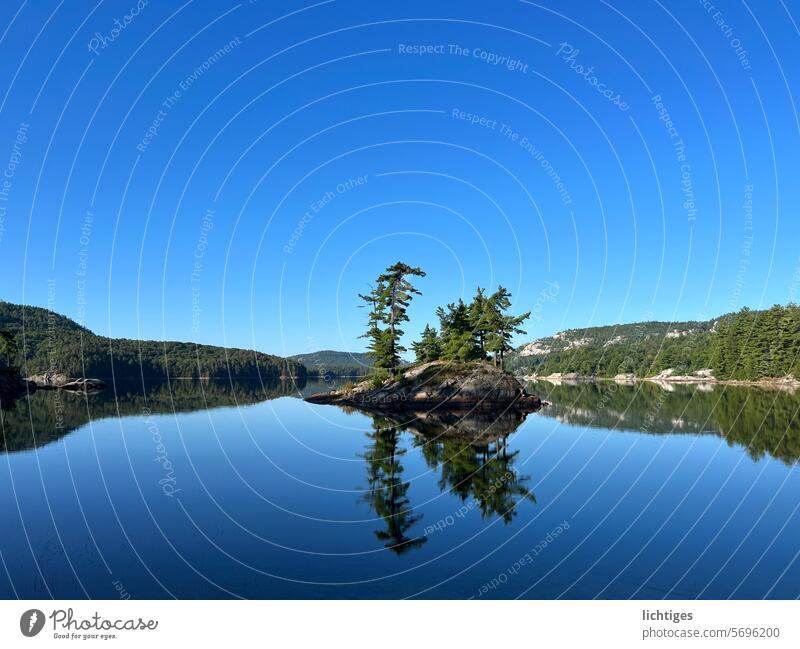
[333,363]
[748,345]
[50,342]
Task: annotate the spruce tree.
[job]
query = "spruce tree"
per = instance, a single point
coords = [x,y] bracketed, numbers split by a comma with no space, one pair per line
[459,342]
[429,347]
[501,326]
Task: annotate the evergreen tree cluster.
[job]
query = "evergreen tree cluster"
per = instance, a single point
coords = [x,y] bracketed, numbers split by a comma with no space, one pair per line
[479,330]
[755,345]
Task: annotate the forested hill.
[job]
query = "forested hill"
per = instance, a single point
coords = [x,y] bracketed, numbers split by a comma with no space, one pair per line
[54,343]
[748,345]
[333,363]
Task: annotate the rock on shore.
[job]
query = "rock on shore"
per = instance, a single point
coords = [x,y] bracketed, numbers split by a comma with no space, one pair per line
[57,381]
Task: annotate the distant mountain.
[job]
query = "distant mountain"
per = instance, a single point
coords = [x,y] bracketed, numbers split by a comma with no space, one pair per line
[333,363]
[748,345]
[50,342]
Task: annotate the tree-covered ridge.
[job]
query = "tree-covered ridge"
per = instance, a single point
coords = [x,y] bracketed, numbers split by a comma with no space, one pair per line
[332,363]
[748,346]
[49,342]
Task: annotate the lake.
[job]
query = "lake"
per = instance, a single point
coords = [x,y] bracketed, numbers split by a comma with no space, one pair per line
[207,490]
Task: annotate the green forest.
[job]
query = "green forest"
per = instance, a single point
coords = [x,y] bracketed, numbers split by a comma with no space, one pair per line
[747,345]
[44,341]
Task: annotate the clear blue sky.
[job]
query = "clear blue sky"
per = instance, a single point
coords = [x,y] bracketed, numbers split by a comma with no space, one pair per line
[648,165]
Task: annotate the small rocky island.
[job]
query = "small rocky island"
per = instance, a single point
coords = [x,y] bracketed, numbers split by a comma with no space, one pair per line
[458,368]
[441,385]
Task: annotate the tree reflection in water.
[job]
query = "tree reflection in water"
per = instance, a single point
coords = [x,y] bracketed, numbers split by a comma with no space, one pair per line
[470,452]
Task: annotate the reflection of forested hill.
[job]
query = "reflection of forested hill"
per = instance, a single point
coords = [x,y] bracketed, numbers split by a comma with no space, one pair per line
[765,422]
[47,416]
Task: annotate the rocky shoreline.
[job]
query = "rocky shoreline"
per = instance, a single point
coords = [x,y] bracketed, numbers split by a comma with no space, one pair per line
[666,377]
[57,381]
[444,385]
[13,386]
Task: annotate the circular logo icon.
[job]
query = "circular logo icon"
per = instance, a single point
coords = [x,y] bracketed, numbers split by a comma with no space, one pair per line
[31,622]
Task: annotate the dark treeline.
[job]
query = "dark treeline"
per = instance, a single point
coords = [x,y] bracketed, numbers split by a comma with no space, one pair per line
[748,346]
[47,342]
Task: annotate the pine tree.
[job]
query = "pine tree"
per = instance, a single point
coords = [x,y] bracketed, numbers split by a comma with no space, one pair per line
[502,327]
[479,316]
[388,303]
[377,348]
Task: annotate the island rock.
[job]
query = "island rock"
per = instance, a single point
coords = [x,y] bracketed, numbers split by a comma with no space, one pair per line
[437,384]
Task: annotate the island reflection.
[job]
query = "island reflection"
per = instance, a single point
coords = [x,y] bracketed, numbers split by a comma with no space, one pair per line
[470,455]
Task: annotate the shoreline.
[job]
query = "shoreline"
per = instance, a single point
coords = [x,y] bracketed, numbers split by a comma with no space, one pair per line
[775,382]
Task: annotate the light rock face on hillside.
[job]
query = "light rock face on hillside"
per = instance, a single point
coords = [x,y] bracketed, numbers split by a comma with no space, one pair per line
[606,337]
[438,384]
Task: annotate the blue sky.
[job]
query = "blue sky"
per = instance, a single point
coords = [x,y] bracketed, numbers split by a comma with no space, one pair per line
[236,172]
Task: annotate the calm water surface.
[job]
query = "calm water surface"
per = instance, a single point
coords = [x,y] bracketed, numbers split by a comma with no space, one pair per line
[203,490]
